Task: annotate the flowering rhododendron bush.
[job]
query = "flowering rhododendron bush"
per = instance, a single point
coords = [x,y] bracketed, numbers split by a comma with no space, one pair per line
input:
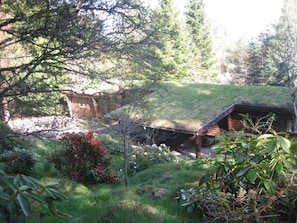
[145,157]
[83,159]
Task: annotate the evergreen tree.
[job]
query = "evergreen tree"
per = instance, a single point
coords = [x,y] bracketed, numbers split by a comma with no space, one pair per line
[272,56]
[47,39]
[274,50]
[201,44]
[234,63]
[284,50]
[257,61]
[169,43]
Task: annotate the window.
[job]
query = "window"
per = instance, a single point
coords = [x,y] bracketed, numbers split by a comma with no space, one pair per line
[83,103]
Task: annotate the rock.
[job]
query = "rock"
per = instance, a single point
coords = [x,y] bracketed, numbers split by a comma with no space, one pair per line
[160,193]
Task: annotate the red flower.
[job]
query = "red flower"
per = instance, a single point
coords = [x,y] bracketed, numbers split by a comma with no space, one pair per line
[102,151]
[82,162]
[75,142]
[89,136]
[112,181]
[100,167]
[95,143]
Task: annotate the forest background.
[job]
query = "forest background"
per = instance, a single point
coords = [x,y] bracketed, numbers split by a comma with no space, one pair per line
[50,46]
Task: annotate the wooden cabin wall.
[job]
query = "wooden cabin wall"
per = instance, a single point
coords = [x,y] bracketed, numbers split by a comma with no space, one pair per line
[213,130]
[83,107]
[89,107]
[280,124]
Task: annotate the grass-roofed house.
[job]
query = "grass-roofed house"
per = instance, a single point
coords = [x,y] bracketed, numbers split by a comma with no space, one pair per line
[205,109]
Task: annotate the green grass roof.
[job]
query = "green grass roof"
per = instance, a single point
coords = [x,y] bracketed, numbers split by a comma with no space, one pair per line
[188,106]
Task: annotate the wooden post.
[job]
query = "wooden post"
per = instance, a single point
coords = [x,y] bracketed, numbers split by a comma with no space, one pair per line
[198,146]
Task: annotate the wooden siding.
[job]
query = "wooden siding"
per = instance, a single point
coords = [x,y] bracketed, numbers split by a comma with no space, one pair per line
[213,130]
[232,118]
[280,124]
[90,106]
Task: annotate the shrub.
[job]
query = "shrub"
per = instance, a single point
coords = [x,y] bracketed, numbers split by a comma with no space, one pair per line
[82,158]
[111,144]
[260,162]
[252,177]
[19,160]
[22,196]
[143,158]
[5,141]
[9,139]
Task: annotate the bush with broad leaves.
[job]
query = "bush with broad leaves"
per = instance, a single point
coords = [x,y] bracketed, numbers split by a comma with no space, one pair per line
[83,159]
[22,196]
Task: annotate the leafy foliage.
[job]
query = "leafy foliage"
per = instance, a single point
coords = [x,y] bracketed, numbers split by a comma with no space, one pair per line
[15,151]
[42,41]
[259,163]
[83,159]
[19,161]
[6,137]
[22,196]
[10,139]
[145,157]
[260,169]
[111,144]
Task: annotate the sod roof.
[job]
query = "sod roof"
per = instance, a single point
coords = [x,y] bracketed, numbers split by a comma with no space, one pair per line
[189,106]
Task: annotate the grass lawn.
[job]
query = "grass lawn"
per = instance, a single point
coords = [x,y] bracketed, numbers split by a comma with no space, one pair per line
[188,106]
[116,203]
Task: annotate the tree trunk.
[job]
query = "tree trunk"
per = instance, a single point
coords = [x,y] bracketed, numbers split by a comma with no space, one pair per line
[293,97]
[126,151]
[198,146]
[5,110]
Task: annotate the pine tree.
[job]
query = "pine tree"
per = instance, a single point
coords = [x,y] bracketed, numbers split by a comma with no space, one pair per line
[282,54]
[201,44]
[169,43]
